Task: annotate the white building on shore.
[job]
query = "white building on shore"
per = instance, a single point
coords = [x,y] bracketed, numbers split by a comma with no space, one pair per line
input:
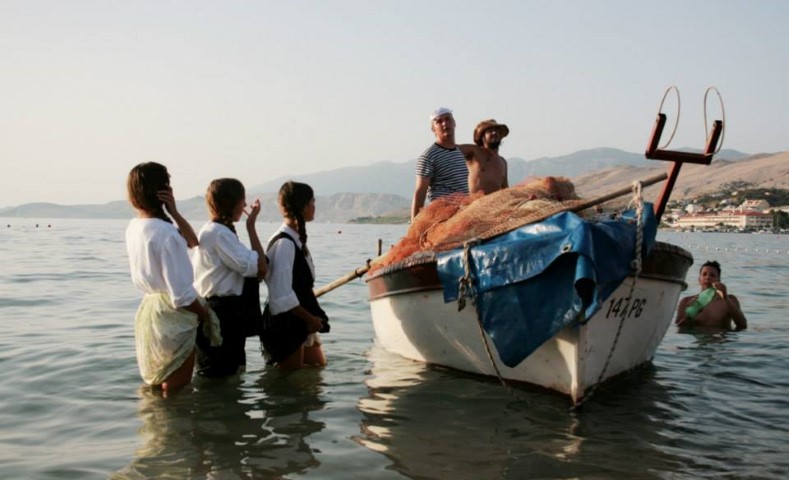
[746,220]
[754,206]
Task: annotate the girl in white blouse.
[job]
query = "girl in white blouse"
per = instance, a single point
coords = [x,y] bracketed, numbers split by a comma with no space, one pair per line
[293,316]
[227,274]
[170,312]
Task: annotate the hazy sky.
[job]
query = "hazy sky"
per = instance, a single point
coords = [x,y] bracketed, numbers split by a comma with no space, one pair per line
[257,90]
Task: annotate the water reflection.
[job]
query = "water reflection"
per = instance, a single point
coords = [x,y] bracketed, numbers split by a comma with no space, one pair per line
[433,423]
[707,335]
[233,428]
[728,386]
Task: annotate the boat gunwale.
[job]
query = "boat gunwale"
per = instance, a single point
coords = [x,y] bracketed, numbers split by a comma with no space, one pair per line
[424,266]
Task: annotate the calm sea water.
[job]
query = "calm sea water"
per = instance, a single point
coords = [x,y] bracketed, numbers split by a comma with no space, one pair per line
[71,405]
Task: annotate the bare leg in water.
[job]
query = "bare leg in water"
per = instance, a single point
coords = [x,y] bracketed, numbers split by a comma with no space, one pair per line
[181,376]
[294,361]
[314,357]
[304,357]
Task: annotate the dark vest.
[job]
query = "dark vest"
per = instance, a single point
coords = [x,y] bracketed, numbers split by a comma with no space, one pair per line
[303,282]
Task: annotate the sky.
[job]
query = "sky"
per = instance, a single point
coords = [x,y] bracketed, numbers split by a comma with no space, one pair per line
[258,90]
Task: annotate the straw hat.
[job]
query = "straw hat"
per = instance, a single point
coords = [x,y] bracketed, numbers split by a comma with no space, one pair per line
[479,131]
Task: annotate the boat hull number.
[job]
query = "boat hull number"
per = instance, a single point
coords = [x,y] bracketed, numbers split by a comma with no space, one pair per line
[621,307]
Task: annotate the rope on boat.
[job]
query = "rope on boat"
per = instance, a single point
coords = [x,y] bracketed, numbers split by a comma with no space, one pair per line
[466,290]
[635,265]
[466,282]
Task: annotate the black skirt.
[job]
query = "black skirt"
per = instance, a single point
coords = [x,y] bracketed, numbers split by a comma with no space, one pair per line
[239,317]
[285,333]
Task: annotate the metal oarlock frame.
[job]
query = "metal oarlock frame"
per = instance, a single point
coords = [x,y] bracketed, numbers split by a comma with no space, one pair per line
[655,153]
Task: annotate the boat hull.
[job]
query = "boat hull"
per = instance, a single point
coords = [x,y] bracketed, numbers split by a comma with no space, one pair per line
[410,318]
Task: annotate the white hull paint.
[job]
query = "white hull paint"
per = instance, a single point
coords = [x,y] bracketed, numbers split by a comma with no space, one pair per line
[420,326]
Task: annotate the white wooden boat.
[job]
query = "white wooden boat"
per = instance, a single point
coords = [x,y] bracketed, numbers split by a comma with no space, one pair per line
[410,318]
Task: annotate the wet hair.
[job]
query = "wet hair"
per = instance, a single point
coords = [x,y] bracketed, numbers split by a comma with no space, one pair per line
[222,197]
[293,199]
[143,185]
[713,264]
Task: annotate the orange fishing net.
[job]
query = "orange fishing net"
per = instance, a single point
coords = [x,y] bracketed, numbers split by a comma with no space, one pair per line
[450,221]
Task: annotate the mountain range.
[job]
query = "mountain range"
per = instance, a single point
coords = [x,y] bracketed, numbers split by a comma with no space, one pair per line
[385,188]
[398,178]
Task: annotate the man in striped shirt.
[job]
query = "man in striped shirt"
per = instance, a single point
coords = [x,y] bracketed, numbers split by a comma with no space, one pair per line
[441,170]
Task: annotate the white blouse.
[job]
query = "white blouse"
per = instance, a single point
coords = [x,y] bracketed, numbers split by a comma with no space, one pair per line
[221,262]
[279,278]
[158,260]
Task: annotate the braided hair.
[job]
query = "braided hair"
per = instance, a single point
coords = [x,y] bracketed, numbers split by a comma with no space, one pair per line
[293,199]
[222,197]
[143,185]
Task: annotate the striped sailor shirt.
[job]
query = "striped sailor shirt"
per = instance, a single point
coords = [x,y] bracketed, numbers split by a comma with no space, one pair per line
[447,171]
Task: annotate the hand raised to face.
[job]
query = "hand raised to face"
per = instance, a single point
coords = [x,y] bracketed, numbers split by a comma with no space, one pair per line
[721,288]
[254,210]
[168,199]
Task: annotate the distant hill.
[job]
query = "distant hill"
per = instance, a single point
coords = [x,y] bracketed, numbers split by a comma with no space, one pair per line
[398,178]
[385,188]
[382,177]
[117,209]
[762,170]
[585,161]
[336,208]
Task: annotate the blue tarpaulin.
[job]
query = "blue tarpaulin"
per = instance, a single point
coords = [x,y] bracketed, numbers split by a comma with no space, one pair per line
[532,282]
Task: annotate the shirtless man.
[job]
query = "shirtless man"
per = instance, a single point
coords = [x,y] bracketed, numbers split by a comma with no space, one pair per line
[487,170]
[719,312]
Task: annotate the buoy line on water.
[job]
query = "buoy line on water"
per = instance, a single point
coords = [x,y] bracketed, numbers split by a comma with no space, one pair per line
[773,251]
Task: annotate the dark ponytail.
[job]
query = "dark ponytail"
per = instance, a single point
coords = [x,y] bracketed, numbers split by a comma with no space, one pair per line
[293,199]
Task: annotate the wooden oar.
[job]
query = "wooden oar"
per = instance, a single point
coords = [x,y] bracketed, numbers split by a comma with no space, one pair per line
[352,275]
[617,193]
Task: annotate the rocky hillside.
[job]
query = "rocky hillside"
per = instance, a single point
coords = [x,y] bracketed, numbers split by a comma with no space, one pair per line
[766,170]
[694,180]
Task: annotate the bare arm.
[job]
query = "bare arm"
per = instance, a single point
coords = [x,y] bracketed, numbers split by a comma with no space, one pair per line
[467,150]
[683,304]
[506,183]
[420,193]
[733,305]
[197,308]
[167,198]
[254,240]
[736,312]
[314,322]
